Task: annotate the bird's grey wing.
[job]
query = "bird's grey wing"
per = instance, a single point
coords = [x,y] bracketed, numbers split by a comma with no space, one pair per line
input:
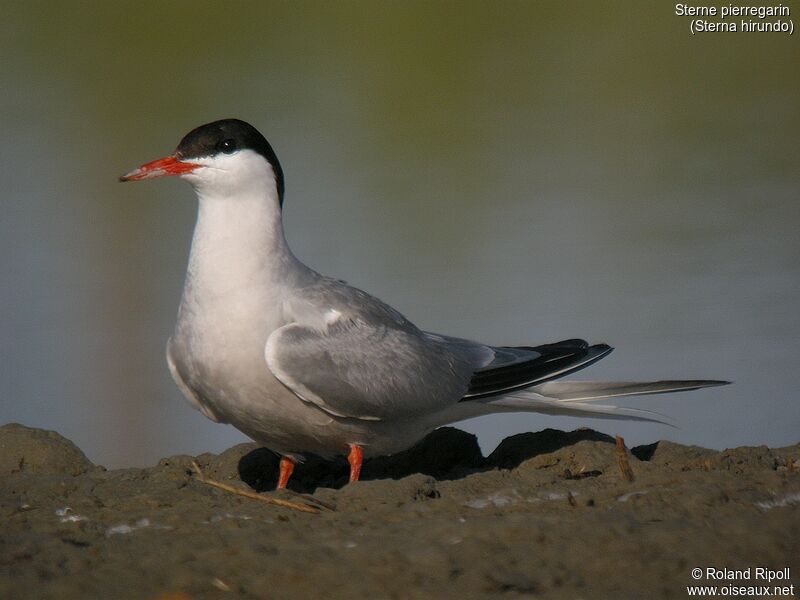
[366,371]
[476,354]
[354,356]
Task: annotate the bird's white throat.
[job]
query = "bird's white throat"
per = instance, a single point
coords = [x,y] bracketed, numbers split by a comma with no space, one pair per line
[238,246]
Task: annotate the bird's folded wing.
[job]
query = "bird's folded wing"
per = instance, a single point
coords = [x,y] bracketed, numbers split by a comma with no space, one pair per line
[355,369]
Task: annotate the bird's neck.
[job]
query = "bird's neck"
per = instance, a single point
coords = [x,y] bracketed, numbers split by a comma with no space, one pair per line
[238,247]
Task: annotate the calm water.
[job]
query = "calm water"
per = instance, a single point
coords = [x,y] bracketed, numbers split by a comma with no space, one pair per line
[517,173]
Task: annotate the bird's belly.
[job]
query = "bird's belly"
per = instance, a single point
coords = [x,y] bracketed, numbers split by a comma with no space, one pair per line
[228,377]
[218,355]
[237,387]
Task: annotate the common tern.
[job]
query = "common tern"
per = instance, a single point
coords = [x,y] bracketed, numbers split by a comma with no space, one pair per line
[304,363]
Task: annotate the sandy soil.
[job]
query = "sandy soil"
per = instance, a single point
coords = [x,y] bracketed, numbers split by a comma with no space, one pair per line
[547,515]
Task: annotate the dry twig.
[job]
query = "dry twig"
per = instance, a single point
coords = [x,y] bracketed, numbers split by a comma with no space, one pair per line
[315,501]
[304,507]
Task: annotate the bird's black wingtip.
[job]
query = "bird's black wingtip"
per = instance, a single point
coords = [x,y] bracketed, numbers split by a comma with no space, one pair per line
[707,383]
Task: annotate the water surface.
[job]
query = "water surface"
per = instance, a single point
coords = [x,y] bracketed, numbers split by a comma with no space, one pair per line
[516,173]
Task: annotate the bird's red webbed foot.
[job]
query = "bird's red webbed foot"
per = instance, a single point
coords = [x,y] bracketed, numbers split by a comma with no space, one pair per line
[287,468]
[355,458]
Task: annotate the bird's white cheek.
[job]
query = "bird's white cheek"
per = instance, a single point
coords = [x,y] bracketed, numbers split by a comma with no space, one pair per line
[193,178]
[204,178]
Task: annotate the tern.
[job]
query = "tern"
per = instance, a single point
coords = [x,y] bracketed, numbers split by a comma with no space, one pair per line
[304,363]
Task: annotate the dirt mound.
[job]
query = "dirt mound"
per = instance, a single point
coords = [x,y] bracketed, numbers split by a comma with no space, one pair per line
[548,514]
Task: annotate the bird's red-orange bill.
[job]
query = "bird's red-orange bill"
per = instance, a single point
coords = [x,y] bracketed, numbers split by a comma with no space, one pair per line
[169,165]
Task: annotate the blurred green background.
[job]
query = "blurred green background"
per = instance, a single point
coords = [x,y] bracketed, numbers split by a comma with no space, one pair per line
[514,172]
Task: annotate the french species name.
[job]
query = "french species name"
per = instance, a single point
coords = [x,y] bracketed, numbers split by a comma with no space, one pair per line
[730,10]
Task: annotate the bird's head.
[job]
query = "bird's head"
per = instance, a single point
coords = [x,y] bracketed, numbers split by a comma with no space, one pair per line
[222,159]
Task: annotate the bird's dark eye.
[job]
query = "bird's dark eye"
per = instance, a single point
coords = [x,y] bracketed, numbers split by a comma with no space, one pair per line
[227,146]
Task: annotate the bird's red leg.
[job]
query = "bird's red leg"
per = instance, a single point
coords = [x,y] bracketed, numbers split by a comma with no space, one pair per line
[355,458]
[287,466]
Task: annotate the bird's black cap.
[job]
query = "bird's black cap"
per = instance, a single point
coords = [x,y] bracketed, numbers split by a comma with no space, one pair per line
[226,137]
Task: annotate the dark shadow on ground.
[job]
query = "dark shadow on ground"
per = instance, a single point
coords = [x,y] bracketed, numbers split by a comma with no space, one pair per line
[446,453]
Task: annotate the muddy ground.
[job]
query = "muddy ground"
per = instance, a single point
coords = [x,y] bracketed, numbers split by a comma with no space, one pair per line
[547,515]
